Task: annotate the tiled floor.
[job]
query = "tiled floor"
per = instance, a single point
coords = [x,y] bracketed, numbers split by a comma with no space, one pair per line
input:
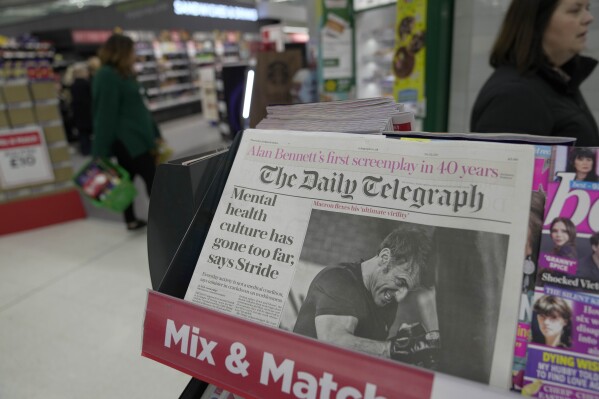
[72,298]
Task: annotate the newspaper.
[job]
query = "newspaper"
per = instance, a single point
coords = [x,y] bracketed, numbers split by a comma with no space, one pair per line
[495,137]
[563,354]
[298,204]
[365,116]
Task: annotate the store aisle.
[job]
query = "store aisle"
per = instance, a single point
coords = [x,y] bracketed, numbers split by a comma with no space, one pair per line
[72,298]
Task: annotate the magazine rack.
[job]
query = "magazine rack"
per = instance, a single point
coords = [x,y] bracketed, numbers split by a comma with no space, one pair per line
[259,362]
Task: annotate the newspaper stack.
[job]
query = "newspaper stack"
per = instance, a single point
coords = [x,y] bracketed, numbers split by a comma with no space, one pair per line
[367,116]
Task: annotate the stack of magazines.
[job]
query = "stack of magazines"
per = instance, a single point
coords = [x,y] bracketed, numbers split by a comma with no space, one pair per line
[367,116]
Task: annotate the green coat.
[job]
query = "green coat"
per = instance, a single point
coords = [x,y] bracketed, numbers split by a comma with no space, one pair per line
[120,114]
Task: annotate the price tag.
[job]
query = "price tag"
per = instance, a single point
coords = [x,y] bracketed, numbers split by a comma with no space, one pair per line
[24,158]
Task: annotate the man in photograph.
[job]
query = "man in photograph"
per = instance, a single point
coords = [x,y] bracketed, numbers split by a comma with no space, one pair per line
[589,267]
[355,304]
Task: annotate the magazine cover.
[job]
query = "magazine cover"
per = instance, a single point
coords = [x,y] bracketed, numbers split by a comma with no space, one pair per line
[404,250]
[563,355]
[542,166]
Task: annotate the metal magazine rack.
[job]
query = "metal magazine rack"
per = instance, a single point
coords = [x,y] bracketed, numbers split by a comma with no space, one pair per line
[246,358]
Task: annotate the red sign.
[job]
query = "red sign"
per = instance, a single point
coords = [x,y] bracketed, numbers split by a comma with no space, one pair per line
[255,361]
[25,139]
[402,127]
[90,36]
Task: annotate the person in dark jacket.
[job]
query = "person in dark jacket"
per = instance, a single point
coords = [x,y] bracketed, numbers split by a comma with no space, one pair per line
[538,71]
[81,106]
[123,126]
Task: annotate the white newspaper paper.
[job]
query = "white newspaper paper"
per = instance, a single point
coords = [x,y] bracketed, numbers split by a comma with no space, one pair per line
[296,203]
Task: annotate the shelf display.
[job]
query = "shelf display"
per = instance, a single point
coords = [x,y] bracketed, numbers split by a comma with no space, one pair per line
[374,56]
[175,68]
[164,69]
[26,61]
[235,52]
[201,51]
[36,168]
[291,358]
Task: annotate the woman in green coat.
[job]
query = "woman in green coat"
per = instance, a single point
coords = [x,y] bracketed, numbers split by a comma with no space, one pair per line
[123,126]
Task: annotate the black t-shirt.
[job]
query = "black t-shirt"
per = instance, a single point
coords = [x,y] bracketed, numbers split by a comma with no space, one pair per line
[340,291]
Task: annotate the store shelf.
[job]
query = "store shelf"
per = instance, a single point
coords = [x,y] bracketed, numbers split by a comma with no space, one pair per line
[145,52]
[170,63]
[177,73]
[170,89]
[146,64]
[147,77]
[156,106]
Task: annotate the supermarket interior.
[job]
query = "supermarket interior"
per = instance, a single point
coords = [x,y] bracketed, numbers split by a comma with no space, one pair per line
[75,271]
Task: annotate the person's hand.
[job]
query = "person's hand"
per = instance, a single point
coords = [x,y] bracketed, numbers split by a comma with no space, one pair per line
[413,345]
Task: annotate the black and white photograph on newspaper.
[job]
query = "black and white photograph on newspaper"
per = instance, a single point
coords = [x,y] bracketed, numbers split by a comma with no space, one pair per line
[424,295]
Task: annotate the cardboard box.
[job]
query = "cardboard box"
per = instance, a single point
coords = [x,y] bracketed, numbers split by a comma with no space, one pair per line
[59,154]
[54,133]
[44,91]
[21,116]
[47,113]
[4,123]
[63,174]
[16,93]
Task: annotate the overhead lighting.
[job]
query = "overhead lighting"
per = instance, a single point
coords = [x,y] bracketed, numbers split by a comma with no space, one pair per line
[210,10]
[249,87]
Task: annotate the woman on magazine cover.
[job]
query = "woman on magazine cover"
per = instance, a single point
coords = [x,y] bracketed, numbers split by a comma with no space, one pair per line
[582,162]
[563,234]
[554,316]
[535,87]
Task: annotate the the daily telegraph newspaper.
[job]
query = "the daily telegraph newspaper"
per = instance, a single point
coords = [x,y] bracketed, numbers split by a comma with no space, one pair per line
[563,355]
[405,250]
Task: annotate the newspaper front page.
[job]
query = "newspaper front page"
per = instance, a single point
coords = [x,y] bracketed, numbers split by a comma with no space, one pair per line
[376,245]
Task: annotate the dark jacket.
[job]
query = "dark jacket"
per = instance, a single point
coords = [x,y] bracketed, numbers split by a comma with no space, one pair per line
[540,103]
[120,114]
[81,105]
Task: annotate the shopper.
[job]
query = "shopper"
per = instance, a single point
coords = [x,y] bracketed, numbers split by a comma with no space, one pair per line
[554,318]
[123,126]
[81,106]
[538,70]
[563,234]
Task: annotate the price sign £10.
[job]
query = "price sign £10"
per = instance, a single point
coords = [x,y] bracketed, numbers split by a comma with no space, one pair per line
[24,158]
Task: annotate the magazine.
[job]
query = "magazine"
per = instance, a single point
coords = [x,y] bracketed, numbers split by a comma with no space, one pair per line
[542,165]
[563,355]
[426,240]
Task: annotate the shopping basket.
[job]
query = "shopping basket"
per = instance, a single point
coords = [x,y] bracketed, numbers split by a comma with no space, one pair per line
[106,185]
